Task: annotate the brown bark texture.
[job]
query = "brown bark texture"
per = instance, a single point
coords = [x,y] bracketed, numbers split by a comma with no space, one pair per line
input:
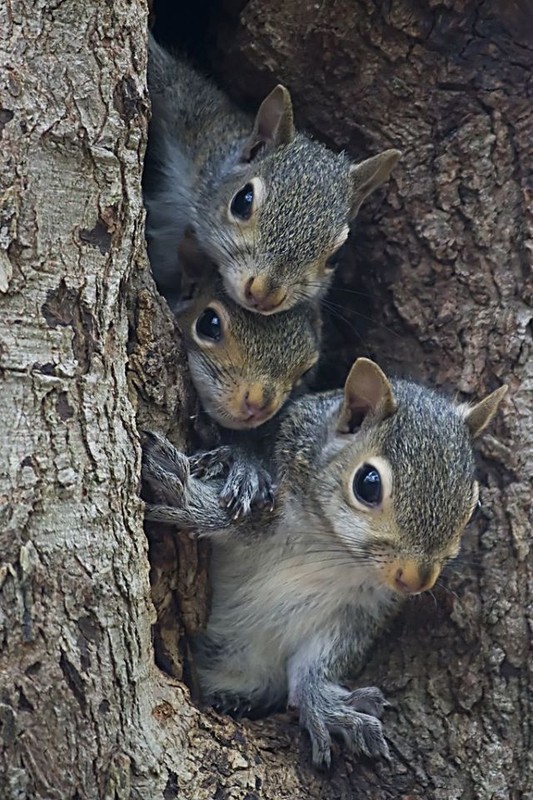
[92,703]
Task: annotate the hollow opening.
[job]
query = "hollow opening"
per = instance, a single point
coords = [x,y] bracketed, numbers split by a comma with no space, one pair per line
[358,318]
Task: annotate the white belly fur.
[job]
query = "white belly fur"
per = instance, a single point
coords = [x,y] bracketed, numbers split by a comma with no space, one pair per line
[269,597]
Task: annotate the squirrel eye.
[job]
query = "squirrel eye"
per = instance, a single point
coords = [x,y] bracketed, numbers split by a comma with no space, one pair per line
[242,203]
[367,486]
[208,325]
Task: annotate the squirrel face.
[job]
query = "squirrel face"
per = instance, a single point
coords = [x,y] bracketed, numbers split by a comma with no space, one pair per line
[402,489]
[244,366]
[277,211]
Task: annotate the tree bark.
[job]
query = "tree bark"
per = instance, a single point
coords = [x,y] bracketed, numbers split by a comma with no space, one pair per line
[89,356]
[443,264]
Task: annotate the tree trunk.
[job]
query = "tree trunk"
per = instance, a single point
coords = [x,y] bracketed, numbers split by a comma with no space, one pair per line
[91,699]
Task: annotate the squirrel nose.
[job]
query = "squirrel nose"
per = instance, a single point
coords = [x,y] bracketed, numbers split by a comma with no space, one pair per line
[413,578]
[255,403]
[261,297]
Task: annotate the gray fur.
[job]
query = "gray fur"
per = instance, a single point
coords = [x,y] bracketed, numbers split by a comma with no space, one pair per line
[444,470]
[247,483]
[297,596]
[194,167]
[273,352]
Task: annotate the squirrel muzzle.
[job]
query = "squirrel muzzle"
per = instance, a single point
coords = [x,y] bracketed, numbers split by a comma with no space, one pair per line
[408,576]
[261,297]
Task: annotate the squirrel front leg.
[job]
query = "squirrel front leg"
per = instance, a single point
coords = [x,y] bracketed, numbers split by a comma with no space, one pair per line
[325,705]
[247,483]
[180,499]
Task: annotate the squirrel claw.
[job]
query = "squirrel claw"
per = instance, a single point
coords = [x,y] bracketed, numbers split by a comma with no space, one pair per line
[211,464]
[368,700]
[363,734]
[322,758]
[232,705]
[334,710]
[246,488]
[174,497]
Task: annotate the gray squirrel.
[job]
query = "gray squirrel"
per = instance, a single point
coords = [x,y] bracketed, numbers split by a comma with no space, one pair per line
[268,205]
[245,367]
[376,485]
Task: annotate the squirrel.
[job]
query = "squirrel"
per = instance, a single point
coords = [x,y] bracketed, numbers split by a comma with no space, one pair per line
[376,486]
[244,367]
[269,206]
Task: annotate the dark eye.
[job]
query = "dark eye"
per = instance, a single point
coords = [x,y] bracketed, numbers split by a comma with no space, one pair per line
[367,485]
[241,205]
[208,325]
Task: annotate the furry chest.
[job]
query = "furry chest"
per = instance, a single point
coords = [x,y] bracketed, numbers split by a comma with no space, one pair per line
[275,598]
[270,600]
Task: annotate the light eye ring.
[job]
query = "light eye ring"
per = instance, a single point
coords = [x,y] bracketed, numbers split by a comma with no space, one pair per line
[242,204]
[452,555]
[382,467]
[332,261]
[367,486]
[209,327]
[246,201]
[476,500]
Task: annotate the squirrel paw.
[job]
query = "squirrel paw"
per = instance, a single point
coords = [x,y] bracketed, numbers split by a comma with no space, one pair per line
[180,499]
[335,711]
[212,463]
[369,700]
[247,486]
[164,469]
[231,705]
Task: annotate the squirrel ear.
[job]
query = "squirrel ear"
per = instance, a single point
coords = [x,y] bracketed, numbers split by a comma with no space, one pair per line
[367,389]
[273,126]
[478,417]
[369,174]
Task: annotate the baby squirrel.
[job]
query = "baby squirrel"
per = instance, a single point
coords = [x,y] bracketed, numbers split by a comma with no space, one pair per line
[376,485]
[244,367]
[269,206]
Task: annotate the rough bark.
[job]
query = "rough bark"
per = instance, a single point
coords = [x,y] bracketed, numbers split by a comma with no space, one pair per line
[88,356]
[443,262]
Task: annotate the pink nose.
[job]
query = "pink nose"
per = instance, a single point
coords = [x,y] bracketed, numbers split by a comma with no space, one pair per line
[254,404]
[261,297]
[412,580]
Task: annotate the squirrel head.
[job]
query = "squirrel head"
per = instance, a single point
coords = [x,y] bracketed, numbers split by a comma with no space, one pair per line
[401,486]
[245,366]
[275,217]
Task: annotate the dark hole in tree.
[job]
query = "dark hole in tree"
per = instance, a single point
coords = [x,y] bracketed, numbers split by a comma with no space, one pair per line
[354,324]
